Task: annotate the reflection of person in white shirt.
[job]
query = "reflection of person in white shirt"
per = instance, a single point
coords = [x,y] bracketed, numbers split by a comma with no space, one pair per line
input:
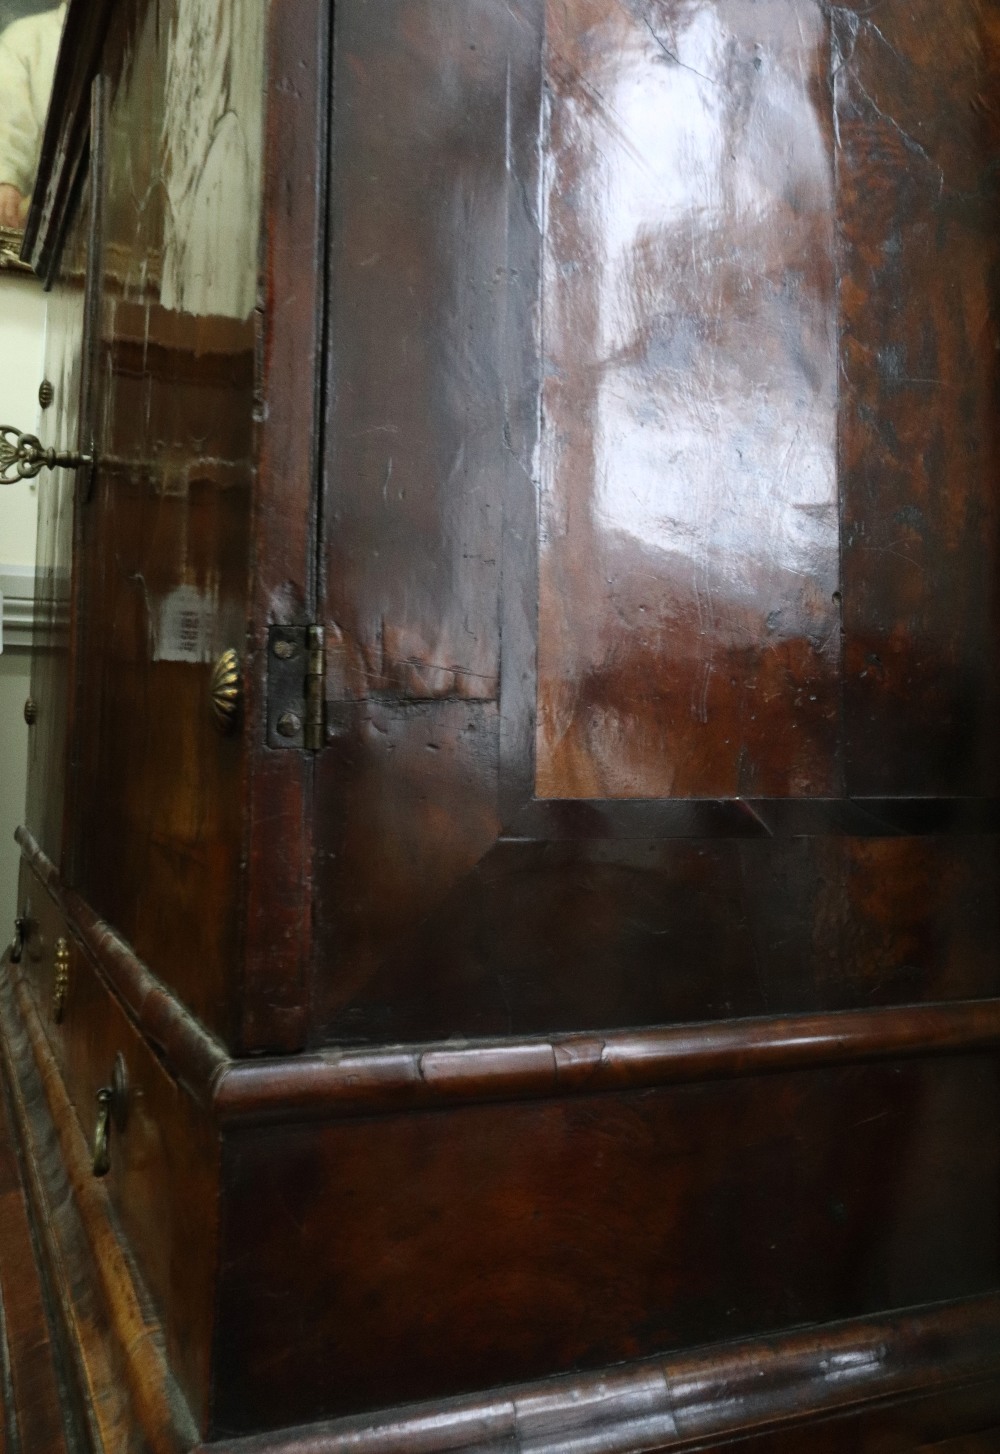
[28,51]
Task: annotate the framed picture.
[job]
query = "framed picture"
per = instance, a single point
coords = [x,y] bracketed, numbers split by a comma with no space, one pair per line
[30,32]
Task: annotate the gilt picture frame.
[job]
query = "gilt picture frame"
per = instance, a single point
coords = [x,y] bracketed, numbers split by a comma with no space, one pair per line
[30,33]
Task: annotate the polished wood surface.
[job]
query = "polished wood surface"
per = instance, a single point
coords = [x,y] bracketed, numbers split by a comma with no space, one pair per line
[164,1158]
[444,1167]
[34,1396]
[278,949]
[660,591]
[352,1082]
[593,1045]
[165,537]
[536,938]
[585,1231]
[689,454]
[675,1401]
[881,1383]
[919,349]
[206,445]
[128,1400]
[166,1027]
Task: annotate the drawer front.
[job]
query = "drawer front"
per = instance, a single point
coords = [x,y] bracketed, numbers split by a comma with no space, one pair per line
[162,1174]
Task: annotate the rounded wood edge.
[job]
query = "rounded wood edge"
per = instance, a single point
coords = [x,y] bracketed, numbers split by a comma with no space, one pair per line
[384,1079]
[691,1398]
[35,1403]
[357,1082]
[185,1048]
[675,1401]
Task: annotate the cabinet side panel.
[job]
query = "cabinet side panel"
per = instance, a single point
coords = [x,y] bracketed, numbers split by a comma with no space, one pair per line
[165,539]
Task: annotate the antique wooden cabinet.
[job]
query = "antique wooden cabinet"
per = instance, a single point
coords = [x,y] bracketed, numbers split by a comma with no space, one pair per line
[508,940]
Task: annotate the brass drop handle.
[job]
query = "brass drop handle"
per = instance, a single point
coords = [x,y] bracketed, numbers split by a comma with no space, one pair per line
[102,1132]
[18,941]
[112,1107]
[22,456]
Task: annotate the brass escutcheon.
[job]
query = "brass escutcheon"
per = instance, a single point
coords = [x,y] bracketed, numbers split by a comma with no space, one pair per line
[20,935]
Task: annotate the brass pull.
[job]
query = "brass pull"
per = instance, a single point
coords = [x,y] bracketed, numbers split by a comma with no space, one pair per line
[60,986]
[22,456]
[112,1108]
[18,941]
[102,1132]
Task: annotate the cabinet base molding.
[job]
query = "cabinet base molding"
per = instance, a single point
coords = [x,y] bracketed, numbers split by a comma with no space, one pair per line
[915,1376]
[332,1083]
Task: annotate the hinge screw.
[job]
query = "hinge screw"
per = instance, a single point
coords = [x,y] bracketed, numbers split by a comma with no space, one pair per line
[289,724]
[284,650]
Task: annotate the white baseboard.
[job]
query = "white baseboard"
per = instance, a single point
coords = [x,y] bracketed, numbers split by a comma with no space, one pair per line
[18,615]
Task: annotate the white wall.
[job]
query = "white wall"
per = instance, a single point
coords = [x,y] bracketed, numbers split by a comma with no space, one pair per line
[22,339]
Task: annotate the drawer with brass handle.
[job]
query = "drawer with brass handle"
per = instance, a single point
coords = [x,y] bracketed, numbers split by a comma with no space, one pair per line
[152,1147]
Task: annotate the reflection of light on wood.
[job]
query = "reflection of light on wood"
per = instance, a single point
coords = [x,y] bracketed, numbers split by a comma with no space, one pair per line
[212,134]
[689,449]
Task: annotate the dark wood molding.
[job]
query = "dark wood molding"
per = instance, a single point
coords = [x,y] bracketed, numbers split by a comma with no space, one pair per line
[562,819]
[672,1402]
[360,1081]
[277,931]
[189,1052]
[677,1401]
[689,1398]
[357,1082]
[34,1399]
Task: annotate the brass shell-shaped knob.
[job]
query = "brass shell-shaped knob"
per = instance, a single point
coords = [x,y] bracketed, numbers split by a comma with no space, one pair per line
[227,690]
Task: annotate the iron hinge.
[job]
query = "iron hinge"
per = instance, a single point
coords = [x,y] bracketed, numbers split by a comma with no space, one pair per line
[296,687]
